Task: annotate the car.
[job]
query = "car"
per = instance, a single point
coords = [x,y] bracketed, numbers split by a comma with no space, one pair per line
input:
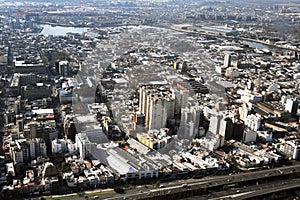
[161,186]
[184,185]
[280,171]
[268,174]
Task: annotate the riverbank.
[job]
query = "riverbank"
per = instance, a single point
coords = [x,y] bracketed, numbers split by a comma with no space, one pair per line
[63,25]
[267,44]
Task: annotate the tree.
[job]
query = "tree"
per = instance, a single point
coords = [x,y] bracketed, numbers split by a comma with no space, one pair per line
[65,167]
[225,187]
[157,183]
[119,189]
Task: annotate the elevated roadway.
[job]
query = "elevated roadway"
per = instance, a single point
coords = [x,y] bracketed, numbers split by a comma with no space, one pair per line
[196,187]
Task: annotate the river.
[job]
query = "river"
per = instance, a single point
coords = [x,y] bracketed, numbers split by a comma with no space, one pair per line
[256,45]
[61,30]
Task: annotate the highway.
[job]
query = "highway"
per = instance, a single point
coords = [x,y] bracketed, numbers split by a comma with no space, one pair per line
[257,190]
[205,188]
[142,192]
